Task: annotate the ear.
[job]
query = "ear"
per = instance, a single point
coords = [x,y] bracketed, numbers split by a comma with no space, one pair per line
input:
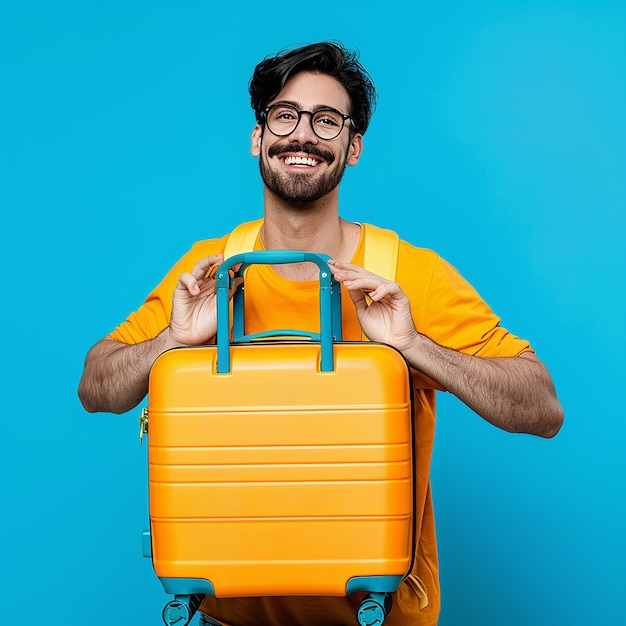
[354,149]
[255,139]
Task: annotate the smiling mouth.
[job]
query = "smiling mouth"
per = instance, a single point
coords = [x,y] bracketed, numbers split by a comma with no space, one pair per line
[296,160]
[303,155]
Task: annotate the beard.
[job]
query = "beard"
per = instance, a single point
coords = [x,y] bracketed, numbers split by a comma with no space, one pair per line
[301,187]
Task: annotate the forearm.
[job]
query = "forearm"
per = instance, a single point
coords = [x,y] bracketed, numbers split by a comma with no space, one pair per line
[513,393]
[115,378]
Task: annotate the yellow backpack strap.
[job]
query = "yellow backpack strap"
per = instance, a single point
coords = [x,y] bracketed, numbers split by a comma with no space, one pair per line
[380,251]
[242,238]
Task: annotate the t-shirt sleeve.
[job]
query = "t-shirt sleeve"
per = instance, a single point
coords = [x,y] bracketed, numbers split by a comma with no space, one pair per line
[455,316]
[153,316]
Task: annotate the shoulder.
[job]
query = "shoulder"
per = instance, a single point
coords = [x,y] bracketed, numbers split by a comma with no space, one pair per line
[424,274]
[216,243]
[241,239]
[411,251]
[198,250]
[207,247]
[415,259]
[381,242]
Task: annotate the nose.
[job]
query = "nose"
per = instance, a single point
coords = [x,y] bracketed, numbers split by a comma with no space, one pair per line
[303,132]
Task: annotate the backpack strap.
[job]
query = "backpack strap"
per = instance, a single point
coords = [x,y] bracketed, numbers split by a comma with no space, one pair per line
[380,251]
[380,254]
[242,238]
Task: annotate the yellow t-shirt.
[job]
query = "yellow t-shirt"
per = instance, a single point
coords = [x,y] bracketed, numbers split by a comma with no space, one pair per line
[445,308]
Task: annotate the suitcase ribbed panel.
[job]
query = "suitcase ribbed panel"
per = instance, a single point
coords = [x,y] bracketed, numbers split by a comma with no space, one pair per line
[276,478]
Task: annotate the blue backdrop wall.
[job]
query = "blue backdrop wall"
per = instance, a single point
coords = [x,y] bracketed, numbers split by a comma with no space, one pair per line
[499,141]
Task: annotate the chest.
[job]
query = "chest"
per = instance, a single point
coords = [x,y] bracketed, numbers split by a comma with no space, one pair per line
[274,302]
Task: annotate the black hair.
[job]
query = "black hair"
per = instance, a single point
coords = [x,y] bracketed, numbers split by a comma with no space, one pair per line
[327,57]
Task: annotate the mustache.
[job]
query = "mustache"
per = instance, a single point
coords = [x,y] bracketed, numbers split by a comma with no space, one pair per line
[277,149]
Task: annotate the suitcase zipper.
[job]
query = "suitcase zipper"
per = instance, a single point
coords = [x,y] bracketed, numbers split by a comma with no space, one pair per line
[143,424]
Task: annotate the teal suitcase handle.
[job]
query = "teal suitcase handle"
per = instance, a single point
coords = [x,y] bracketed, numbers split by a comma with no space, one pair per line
[330,304]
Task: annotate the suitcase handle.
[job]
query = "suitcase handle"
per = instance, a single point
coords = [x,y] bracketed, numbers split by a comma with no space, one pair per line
[330,304]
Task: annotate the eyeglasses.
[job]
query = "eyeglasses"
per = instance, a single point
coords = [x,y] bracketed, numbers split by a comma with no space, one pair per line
[283,119]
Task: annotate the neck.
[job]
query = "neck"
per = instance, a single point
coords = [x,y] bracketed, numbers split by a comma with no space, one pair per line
[313,227]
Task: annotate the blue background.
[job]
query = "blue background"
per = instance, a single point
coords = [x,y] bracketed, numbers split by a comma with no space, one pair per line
[499,141]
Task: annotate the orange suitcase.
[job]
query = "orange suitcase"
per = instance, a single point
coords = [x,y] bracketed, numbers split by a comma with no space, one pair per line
[277,465]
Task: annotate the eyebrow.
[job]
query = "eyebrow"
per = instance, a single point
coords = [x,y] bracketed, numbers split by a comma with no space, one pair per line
[298,105]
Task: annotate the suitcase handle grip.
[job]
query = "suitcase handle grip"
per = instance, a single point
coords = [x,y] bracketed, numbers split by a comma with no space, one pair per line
[330,304]
[273,257]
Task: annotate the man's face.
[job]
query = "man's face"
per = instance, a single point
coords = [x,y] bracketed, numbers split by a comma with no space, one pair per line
[300,167]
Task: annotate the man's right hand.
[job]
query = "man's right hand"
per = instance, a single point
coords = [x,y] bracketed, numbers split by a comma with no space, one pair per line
[115,377]
[194,304]
[194,318]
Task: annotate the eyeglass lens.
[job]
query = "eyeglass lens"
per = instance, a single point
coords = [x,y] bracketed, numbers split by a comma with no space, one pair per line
[282,120]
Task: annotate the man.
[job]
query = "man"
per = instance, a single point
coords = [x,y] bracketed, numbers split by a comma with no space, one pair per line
[313,106]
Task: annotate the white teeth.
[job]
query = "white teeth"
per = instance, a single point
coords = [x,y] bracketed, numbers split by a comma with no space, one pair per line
[296,160]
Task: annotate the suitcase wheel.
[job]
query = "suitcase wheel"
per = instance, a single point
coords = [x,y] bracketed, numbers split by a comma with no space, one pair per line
[180,610]
[373,609]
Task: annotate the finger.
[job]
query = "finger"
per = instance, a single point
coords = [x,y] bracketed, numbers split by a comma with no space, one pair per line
[203,267]
[359,281]
[338,265]
[355,277]
[188,282]
[388,290]
[231,272]
[358,298]
[348,272]
[364,283]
